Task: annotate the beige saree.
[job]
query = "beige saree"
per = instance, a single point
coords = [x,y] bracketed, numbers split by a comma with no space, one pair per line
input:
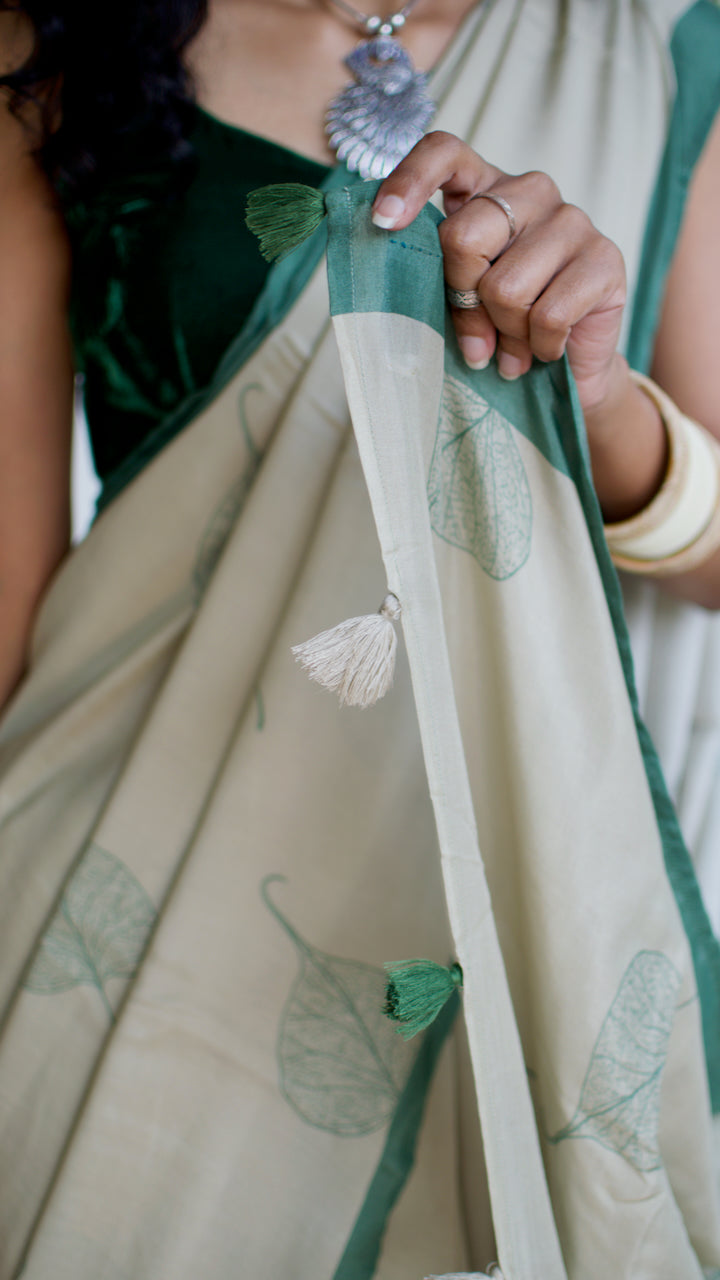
[205,861]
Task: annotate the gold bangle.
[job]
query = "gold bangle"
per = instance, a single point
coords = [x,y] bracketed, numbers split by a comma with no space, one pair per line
[680,528]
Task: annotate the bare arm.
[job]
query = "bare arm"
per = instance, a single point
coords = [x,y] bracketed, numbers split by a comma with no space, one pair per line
[35,394]
[687,351]
[686,364]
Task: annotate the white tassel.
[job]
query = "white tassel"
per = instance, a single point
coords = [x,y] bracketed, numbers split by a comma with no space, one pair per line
[357,657]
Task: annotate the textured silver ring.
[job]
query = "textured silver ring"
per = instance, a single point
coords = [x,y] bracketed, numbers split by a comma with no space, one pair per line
[465,299]
[501,204]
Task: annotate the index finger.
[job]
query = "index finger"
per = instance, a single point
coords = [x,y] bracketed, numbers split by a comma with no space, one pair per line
[439,162]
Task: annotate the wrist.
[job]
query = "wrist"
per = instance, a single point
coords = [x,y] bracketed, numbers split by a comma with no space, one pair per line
[679,529]
[628,445]
[600,413]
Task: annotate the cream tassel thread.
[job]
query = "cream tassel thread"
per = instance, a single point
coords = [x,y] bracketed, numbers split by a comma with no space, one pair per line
[356,659]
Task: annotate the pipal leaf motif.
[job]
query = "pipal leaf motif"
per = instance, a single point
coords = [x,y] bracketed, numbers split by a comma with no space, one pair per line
[222,521]
[478,490]
[619,1103]
[342,1067]
[98,932]
[218,529]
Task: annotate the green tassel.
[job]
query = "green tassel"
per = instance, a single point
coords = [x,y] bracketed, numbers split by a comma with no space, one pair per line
[416,992]
[283,215]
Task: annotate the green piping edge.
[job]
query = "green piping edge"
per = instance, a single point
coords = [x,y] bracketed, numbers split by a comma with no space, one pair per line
[704,946]
[695,49]
[283,285]
[362,1251]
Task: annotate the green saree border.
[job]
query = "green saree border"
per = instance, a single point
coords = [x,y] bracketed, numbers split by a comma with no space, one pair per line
[704,946]
[695,49]
[362,1251]
[407,277]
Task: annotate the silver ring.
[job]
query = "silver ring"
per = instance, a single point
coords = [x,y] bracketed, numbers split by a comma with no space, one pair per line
[465,299]
[501,204]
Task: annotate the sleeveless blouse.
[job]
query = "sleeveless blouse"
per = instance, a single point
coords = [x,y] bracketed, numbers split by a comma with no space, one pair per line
[163,283]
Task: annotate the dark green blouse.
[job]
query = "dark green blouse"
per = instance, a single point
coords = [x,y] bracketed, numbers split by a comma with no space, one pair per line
[161,287]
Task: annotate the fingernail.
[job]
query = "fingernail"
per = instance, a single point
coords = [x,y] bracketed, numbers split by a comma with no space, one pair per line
[388,211]
[475,352]
[509,367]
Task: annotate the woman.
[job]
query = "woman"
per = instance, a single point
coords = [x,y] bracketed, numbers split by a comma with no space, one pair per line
[164,764]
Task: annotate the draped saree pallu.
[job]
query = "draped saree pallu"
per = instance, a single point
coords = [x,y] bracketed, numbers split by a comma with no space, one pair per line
[210,861]
[205,861]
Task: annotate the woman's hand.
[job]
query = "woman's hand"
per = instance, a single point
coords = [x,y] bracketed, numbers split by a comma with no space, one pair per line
[556,285]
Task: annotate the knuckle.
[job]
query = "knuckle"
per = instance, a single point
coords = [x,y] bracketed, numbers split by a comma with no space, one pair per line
[606,252]
[460,240]
[438,140]
[503,292]
[541,187]
[550,318]
[606,262]
[614,259]
[574,221]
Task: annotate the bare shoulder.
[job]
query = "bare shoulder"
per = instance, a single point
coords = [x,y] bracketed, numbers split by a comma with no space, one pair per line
[23,186]
[686,361]
[18,131]
[16,39]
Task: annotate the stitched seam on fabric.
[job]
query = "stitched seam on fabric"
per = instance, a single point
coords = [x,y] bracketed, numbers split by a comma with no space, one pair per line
[416,248]
[407,619]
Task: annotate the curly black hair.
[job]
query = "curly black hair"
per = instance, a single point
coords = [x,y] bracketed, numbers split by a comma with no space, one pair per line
[114,69]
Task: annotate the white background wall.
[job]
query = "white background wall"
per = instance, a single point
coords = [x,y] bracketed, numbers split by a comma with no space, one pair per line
[85,484]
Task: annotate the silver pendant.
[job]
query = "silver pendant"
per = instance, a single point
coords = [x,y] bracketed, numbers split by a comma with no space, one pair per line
[374,123]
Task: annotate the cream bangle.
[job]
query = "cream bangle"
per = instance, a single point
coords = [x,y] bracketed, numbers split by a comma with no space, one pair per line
[680,527]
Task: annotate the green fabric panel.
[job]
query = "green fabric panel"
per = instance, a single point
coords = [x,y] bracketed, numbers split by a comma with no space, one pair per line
[696,54]
[402,274]
[362,1251]
[284,283]
[407,266]
[529,403]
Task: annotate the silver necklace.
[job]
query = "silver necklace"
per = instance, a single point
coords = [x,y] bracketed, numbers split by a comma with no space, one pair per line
[373,123]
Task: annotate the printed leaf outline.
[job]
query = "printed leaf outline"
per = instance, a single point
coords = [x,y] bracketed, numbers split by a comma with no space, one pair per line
[619,1104]
[220,525]
[342,1066]
[98,932]
[478,491]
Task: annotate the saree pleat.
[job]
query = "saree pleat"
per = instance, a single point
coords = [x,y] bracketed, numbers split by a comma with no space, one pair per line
[194,760]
